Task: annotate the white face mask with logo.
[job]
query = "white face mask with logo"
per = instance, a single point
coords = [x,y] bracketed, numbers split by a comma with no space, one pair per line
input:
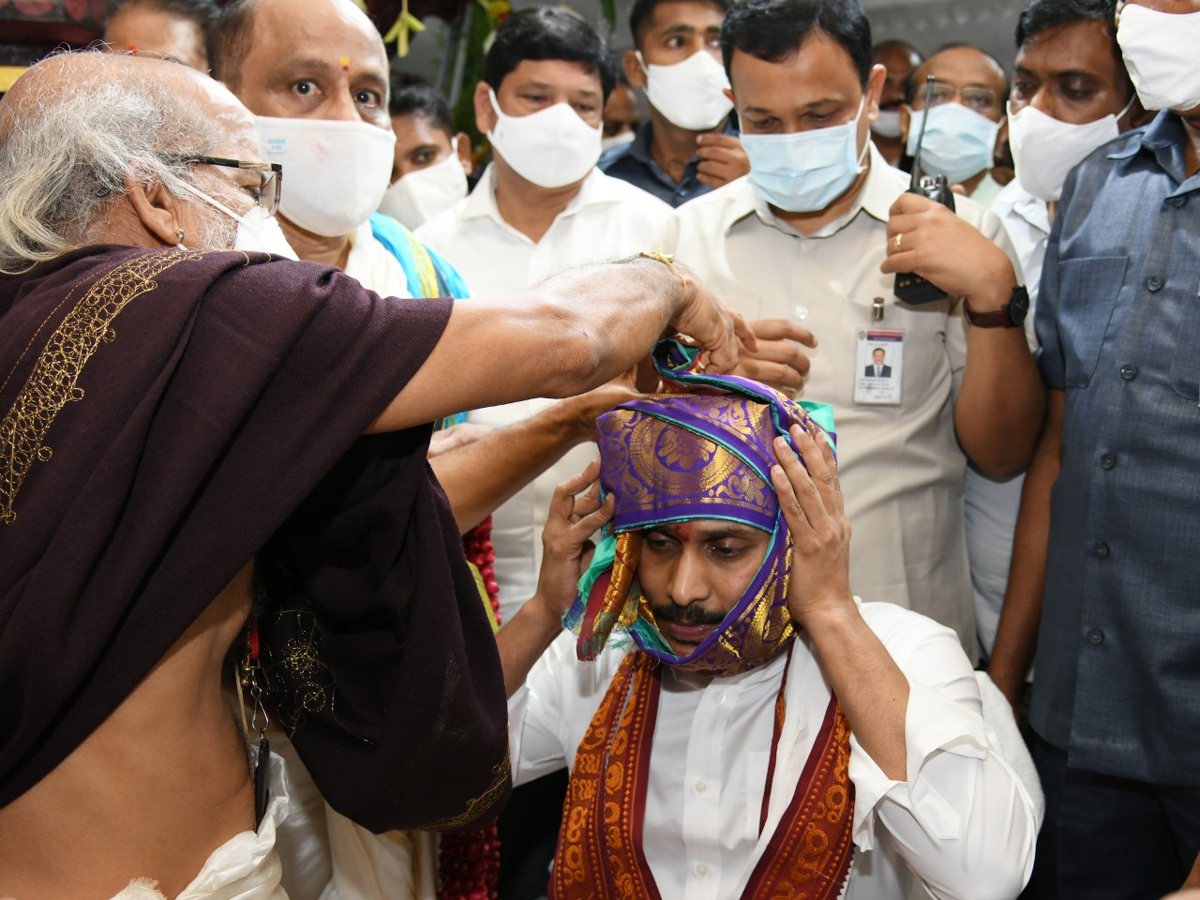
[337,171]
[256,231]
[1045,149]
[959,142]
[420,195]
[552,147]
[1161,52]
[887,124]
[691,94]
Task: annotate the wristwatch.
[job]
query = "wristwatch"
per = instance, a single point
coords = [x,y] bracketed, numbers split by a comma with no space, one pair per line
[1011,315]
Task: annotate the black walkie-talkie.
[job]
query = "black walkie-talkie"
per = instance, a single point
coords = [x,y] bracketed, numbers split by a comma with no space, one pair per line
[910,287]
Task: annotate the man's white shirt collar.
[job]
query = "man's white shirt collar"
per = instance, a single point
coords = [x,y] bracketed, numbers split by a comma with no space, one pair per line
[595,190]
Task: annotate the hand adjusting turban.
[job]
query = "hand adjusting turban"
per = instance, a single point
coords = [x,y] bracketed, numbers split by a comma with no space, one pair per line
[703,450]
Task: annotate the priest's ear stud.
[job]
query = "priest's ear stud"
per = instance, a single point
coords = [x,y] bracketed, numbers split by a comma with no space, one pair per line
[179,234]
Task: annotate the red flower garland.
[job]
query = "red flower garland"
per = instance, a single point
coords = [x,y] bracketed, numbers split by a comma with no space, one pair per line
[469,861]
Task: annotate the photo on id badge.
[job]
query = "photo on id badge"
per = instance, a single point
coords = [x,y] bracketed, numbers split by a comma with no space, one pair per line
[879,367]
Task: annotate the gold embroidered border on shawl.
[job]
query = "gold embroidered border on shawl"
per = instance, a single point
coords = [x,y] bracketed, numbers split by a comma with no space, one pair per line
[599,854]
[54,381]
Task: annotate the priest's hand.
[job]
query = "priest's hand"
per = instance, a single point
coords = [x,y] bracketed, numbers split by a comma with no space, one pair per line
[706,319]
[576,514]
[778,360]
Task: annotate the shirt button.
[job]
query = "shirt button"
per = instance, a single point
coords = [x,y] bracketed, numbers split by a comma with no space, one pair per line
[702,870]
[1178,202]
[701,787]
[1095,637]
[1129,372]
[1153,284]
[801,312]
[1107,461]
[1100,550]
[719,697]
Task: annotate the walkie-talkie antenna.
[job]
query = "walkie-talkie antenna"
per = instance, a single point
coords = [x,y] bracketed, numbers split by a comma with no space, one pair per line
[917,171]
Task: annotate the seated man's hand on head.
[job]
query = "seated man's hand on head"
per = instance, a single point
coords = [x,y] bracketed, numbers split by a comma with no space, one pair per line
[811,499]
[576,514]
[706,319]
[778,359]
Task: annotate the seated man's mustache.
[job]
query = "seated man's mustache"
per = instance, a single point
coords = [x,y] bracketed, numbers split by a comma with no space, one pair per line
[692,614]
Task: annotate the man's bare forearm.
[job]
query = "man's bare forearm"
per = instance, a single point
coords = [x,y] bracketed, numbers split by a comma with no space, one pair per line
[481,476]
[1016,635]
[869,685]
[523,640]
[1002,401]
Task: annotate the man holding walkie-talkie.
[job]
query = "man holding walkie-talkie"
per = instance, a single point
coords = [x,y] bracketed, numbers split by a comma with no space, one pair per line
[816,235]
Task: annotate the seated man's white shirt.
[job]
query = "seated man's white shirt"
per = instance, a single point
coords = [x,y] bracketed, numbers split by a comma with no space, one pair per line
[608,219]
[900,465]
[992,504]
[711,747]
[374,266]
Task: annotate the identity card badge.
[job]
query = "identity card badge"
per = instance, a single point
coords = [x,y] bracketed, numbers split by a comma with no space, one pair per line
[879,368]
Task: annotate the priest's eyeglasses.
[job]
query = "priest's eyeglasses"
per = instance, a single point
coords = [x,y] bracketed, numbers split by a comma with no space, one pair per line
[266,195]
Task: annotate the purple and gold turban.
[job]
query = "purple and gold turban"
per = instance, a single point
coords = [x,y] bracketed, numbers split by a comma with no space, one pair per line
[702,451]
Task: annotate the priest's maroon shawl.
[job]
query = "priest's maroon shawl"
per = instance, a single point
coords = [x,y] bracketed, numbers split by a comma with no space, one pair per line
[167,414]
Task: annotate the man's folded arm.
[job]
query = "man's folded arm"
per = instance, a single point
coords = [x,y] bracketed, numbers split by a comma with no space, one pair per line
[961,820]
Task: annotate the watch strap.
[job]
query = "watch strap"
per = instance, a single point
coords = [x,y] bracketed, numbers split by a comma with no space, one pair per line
[1010,315]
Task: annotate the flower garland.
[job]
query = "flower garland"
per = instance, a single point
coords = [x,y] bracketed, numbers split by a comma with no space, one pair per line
[469,861]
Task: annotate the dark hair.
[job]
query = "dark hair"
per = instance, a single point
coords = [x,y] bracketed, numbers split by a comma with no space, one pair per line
[230,37]
[1041,15]
[773,30]
[911,86]
[641,17]
[547,32]
[201,12]
[913,52]
[412,94]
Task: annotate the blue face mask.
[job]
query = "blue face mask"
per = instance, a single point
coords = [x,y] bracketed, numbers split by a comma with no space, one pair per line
[959,142]
[807,170]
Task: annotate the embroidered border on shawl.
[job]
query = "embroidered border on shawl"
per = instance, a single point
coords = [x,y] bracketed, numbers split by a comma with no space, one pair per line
[54,381]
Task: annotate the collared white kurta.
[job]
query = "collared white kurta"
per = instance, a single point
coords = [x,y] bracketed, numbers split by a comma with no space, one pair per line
[900,465]
[608,219]
[962,820]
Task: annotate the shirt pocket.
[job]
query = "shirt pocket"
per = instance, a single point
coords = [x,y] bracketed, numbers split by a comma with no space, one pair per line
[1185,367]
[1087,294]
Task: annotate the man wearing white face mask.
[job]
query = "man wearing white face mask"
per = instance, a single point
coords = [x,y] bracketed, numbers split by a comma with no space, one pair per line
[541,206]
[432,162]
[813,236]
[1105,548]
[314,73]
[688,146]
[1070,94]
[963,121]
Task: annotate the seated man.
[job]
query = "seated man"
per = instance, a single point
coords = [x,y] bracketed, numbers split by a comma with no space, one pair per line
[756,729]
[180,443]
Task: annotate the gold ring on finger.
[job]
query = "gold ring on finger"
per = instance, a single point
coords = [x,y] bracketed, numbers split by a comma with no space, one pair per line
[899,237]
